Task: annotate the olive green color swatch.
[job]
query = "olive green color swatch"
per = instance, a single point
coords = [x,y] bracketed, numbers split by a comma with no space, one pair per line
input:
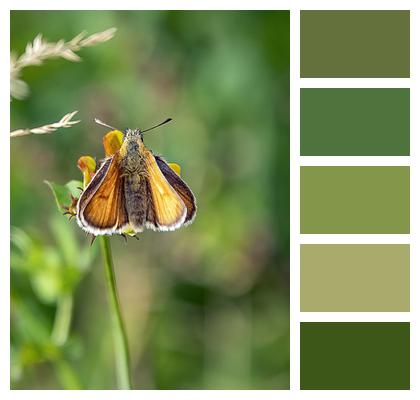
[355,44]
[355,122]
[355,278]
[355,200]
[354,355]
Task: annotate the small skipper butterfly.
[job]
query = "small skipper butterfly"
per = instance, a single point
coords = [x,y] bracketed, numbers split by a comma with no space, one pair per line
[134,189]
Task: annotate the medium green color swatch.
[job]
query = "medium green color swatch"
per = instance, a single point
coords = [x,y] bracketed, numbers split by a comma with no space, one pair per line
[355,355]
[355,122]
[355,278]
[355,200]
[355,44]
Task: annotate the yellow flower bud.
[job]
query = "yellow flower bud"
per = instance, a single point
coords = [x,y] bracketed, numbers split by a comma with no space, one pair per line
[175,167]
[87,165]
[112,142]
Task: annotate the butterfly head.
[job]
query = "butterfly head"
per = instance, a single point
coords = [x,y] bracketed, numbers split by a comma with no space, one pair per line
[133,134]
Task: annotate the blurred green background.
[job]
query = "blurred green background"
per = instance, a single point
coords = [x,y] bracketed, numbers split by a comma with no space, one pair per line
[206,307]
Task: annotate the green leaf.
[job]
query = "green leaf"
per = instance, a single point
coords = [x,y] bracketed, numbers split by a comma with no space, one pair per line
[20,239]
[74,187]
[66,240]
[47,281]
[62,193]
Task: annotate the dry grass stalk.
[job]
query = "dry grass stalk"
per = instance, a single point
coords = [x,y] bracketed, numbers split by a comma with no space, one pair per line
[65,122]
[40,50]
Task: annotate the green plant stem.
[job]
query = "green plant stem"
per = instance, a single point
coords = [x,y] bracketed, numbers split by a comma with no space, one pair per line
[62,319]
[66,375]
[122,356]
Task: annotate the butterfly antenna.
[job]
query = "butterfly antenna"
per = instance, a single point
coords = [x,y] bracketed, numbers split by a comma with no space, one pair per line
[156,126]
[99,122]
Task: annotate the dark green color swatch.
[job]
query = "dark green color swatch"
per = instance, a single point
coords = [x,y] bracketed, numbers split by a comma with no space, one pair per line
[355,44]
[354,355]
[355,199]
[355,122]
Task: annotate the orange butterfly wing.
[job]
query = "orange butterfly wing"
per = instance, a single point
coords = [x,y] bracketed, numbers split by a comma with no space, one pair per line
[180,187]
[101,207]
[167,211]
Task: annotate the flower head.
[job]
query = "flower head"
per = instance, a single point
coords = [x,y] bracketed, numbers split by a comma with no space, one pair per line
[112,142]
[87,165]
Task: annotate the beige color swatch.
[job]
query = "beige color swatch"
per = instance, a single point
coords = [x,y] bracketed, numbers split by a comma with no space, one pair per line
[372,277]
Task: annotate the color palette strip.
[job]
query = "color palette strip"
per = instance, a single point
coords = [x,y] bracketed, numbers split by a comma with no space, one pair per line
[355,355]
[355,200]
[355,278]
[355,122]
[355,44]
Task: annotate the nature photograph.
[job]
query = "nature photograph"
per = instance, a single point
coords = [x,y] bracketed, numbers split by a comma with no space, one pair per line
[149,200]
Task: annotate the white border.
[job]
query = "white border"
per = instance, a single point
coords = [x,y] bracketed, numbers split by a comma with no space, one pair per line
[296,83]
[354,83]
[354,239]
[355,316]
[354,161]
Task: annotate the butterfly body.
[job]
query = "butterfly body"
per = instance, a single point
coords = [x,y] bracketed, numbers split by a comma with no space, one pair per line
[133,190]
[132,153]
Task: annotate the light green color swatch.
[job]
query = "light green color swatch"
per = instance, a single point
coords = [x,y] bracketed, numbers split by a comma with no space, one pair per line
[355,200]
